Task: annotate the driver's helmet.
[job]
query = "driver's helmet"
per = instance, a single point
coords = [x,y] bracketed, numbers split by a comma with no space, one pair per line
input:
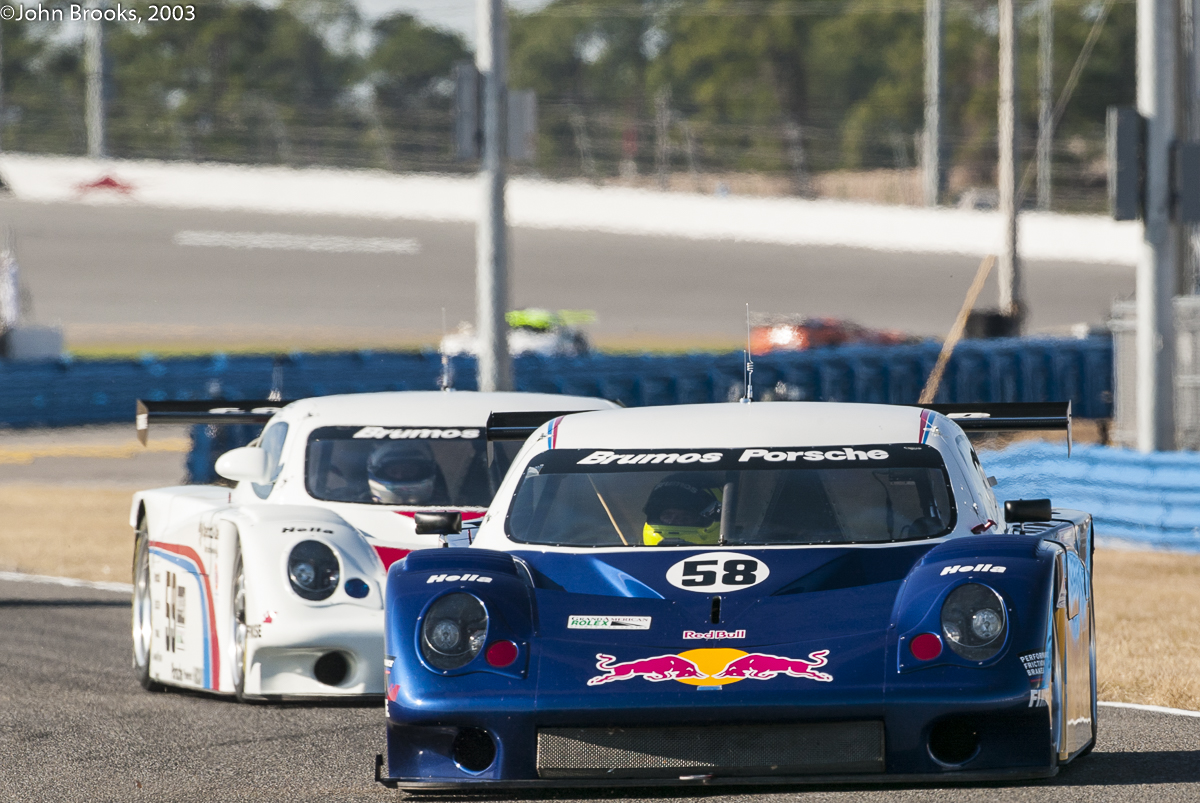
[682,507]
[402,474]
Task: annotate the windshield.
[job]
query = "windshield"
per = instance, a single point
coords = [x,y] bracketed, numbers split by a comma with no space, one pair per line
[410,466]
[800,495]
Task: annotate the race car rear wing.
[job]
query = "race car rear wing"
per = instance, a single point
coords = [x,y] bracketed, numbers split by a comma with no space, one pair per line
[208,411]
[517,426]
[1008,416]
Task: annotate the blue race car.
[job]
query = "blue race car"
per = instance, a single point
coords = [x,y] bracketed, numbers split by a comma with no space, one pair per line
[746,593]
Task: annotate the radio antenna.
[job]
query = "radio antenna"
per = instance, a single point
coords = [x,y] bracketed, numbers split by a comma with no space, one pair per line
[446,380]
[749,397]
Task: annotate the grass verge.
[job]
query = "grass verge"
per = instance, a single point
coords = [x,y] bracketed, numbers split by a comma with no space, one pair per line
[1147,603]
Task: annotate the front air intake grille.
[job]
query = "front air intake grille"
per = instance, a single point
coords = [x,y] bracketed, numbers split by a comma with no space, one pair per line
[746,750]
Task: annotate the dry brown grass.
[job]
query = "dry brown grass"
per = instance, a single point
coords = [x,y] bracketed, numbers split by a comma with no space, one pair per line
[66,531]
[1148,641]
[1148,603]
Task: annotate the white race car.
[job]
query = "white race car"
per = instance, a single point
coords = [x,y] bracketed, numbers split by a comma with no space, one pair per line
[274,589]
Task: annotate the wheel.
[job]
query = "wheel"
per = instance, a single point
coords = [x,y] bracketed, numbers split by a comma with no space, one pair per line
[143,607]
[239,629]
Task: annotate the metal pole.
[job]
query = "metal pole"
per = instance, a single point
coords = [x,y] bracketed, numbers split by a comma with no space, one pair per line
[1009,276]
[93,56]
[1045,102]
[1,87]
[933,177]
[1156,53]
[491,233]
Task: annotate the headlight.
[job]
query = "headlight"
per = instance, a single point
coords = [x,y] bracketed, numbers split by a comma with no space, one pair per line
[313,570]
[973,621]
[454,630]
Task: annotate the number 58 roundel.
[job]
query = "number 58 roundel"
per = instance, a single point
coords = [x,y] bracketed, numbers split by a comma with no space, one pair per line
[717,571]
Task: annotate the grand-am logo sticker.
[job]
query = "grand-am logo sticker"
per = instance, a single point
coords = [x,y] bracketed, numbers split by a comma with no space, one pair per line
[711,667]
[717,571]
[578,622]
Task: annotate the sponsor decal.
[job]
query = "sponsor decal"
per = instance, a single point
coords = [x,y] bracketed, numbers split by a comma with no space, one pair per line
[717,571]
[307,530]
[580,622]
[603,458]
[713,635]
[401,433]
[269,617]
[253,631]
[711,668]
[981,567]
[812,455]
[1039,698]
[1034,663]
[457,578]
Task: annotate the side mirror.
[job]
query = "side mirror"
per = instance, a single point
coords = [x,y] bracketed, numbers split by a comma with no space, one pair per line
[244,464]
[438,523]
[1018,511]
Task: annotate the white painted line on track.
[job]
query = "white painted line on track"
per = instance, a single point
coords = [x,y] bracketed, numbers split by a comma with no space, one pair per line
[70,582]
[279,241]
[1157,709]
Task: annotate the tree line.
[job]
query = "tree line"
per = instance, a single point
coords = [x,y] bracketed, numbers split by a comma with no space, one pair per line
[787,87]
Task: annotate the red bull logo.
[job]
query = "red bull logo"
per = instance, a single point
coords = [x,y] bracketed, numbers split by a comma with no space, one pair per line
[760,666]
[711,667]
[660,667]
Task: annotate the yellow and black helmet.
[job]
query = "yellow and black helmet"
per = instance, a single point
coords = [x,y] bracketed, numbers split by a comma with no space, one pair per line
[683,507]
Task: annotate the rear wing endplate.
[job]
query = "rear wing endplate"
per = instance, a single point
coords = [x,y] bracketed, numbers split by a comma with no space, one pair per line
[517,426]
[209,411]
[1009,416]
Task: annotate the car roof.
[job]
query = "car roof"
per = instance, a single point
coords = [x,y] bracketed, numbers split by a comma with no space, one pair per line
[731,425]
[429,408]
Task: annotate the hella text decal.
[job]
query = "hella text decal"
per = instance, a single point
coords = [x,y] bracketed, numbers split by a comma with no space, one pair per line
[457,578]
[717,571]
[981,567]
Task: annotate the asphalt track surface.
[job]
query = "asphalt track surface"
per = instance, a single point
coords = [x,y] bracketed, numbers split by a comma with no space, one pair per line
[101,270]
[76,726]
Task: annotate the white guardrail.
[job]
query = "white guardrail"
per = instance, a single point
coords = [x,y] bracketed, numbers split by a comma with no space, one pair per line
[573,206]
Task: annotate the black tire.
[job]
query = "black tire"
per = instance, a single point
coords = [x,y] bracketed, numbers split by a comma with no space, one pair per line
[238,629]
[142,623]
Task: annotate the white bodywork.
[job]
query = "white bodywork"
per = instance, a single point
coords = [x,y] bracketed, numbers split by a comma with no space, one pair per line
[196,534]
[694,428]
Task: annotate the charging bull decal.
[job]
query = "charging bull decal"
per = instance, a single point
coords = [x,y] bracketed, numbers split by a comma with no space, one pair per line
[711,667]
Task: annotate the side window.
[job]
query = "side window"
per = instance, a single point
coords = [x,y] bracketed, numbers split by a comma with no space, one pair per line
[272,442]
[972,461]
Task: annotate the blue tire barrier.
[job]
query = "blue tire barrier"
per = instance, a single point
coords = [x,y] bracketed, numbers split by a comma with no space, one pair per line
[71,392]
[1149,499]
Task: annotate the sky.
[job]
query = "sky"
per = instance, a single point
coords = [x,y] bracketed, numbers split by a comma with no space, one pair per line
[454,15]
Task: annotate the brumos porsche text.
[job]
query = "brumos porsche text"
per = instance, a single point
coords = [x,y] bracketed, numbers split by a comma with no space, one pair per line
[422,434]
[603,458]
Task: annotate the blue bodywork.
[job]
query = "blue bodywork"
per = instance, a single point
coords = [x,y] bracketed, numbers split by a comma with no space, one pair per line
[848,613]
